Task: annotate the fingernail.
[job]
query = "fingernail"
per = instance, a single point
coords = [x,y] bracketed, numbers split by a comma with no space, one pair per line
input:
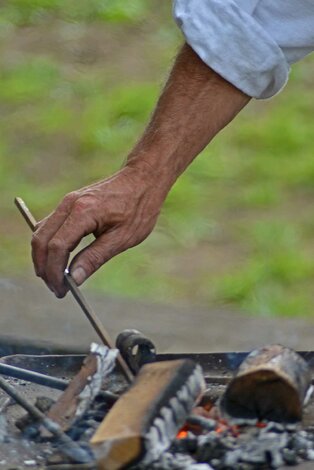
[79,275]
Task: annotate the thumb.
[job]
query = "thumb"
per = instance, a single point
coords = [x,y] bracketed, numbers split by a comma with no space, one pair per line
[91,258]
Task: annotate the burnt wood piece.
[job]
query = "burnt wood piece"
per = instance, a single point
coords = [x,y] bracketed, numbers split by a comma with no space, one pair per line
[84,386]
[63,411]
[272,383]
[145,420]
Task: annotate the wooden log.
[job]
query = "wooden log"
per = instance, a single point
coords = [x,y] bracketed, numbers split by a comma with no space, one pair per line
[271,384]
[145,420]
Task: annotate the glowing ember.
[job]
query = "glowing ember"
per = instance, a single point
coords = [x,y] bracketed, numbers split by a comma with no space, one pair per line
[261,424]
[182,434]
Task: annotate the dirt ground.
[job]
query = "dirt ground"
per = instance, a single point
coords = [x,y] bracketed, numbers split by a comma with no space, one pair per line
[29,310]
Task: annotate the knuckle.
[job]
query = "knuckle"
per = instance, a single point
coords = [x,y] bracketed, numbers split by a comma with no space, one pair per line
[70,198]
[83,204]
[56,244]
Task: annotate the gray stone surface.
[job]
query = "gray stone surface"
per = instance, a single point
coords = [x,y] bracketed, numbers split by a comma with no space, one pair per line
[29,310]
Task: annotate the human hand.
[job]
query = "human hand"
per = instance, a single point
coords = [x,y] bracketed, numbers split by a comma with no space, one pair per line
[120,211]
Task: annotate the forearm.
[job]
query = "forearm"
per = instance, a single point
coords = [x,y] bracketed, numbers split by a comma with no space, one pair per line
[195,105]
[122,210]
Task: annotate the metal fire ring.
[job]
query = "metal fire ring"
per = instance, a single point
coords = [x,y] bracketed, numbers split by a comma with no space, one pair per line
[136,349]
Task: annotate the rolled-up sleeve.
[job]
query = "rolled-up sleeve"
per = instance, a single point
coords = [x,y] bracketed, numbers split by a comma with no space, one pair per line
[251,43]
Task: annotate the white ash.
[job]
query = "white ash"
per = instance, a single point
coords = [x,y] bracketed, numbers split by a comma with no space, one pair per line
[172,417]
[273,446]
[3,429]
[308,395]
[30,463]
[106,360]
[170,461]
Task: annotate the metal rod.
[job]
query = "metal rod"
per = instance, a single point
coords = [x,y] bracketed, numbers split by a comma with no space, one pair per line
[47,380]
[34,377]
[94,320]
[96,324]
[69,447]
[71,466]
[80,299]
[4,404]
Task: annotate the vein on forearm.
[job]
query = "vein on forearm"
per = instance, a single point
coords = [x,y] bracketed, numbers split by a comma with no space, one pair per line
[195,105]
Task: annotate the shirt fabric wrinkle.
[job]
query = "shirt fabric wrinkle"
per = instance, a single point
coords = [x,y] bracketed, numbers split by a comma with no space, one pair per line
[251,43]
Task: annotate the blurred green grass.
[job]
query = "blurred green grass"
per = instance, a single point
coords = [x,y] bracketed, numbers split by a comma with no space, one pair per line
[78,81]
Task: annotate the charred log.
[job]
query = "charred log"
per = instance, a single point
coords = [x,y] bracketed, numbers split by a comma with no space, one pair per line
[271,384]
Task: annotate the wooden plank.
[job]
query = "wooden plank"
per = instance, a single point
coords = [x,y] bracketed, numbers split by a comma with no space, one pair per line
[147,417]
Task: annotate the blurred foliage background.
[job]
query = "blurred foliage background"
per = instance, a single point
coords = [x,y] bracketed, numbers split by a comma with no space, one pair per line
[78,80]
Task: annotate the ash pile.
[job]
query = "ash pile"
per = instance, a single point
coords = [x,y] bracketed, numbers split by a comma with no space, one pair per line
[168,418]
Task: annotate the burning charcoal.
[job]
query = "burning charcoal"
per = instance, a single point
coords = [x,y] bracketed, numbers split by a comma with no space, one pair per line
[301,444]
[289,456]
[169,461]
[211,447]
[271,384]
[299,447]
[143,423]
[187,445]
[265,449]
[201,422]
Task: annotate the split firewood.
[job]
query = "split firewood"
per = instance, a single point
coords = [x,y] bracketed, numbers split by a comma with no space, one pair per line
[271,384]
[84,387]
[145,420]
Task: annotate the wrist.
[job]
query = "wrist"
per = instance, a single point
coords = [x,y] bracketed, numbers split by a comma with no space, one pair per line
[155,175]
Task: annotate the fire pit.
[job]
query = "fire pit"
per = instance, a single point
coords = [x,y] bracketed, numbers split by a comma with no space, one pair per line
[164,421]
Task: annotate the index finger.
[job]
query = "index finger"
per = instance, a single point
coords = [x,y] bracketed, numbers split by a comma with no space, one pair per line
[64,241]
[45,230]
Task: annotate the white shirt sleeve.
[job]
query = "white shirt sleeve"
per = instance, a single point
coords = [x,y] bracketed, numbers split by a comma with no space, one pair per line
[251,43]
